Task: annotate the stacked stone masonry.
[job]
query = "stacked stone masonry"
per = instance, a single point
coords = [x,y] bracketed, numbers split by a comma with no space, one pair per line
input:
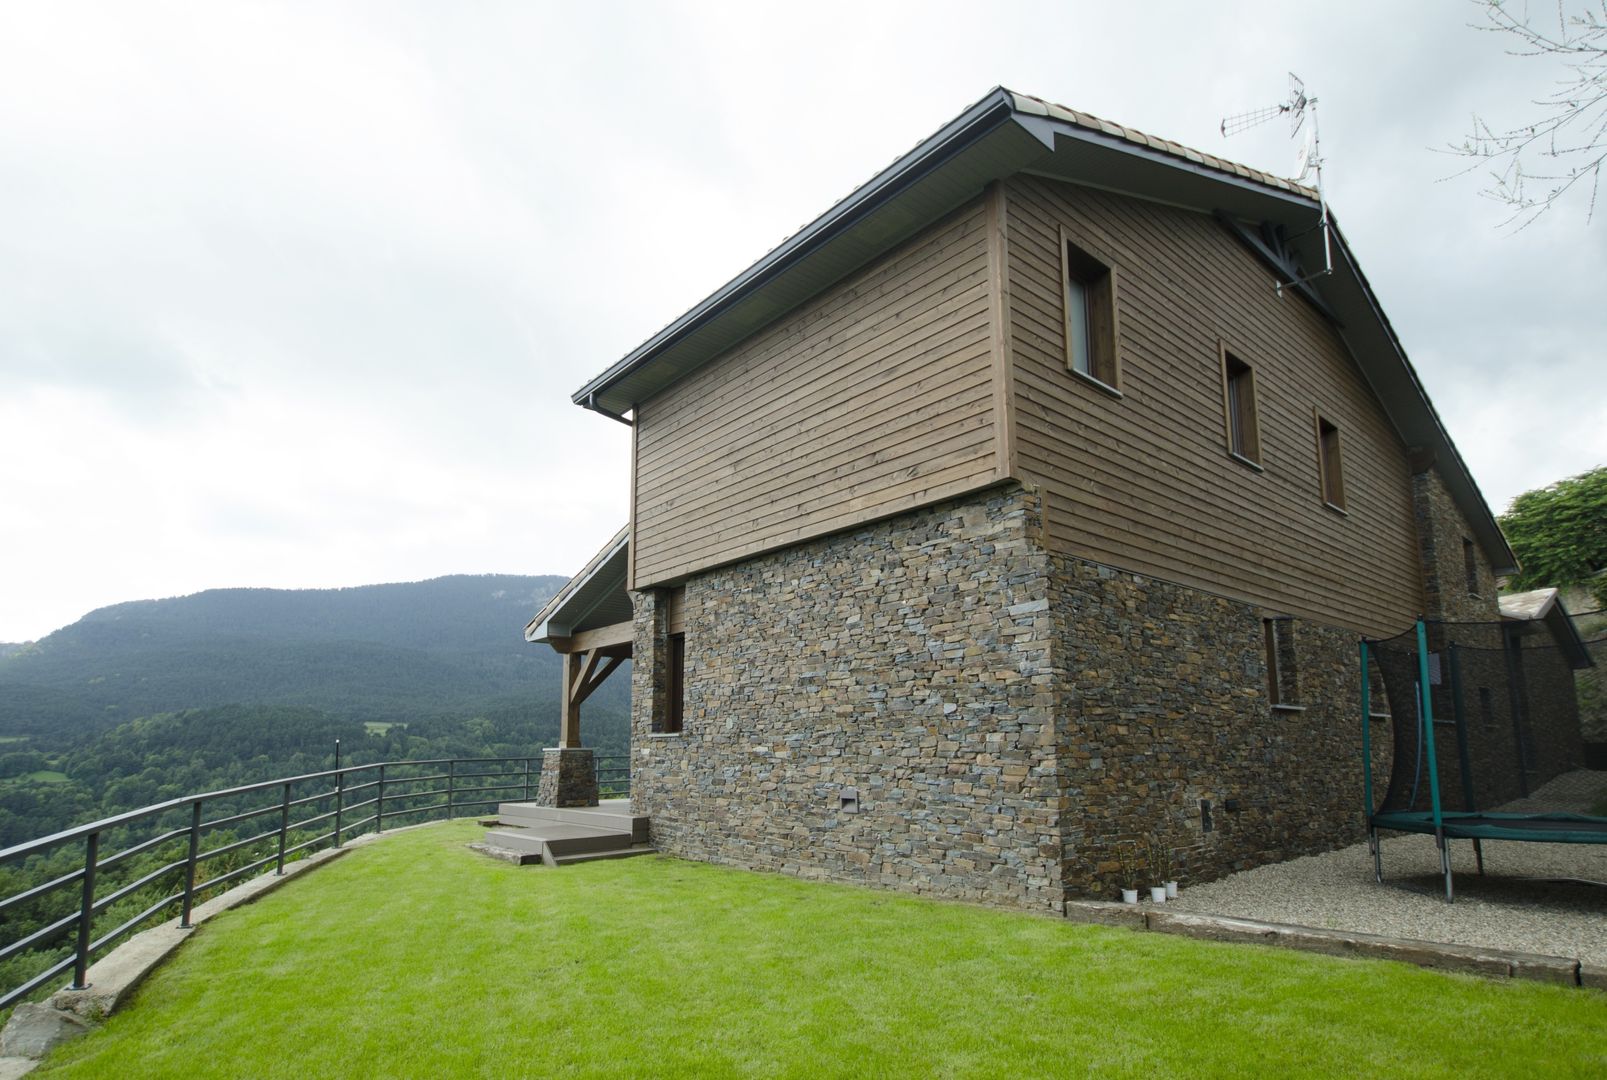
[936,703]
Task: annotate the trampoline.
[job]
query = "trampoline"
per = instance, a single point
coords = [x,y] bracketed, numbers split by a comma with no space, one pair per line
[1481,717]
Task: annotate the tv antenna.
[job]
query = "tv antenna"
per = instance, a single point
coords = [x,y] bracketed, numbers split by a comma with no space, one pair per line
[1308,158]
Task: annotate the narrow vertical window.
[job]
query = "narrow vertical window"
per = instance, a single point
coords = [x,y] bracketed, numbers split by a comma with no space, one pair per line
[1470,566]
[675,685]
[1329,467]
[1090,299]
[1238,402]
[1283,684]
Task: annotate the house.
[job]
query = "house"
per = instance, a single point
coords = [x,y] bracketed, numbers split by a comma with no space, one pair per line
[1026,505]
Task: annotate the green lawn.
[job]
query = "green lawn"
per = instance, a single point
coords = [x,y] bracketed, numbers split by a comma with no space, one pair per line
[414,957]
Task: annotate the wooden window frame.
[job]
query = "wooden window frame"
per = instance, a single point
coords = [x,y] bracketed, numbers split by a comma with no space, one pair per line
[1283,670]
[1091,275]
[675,685]
[1239,403]
[1330,462]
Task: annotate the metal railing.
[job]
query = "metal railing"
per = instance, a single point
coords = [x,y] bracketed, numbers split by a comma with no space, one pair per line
[613,775]
[306,813]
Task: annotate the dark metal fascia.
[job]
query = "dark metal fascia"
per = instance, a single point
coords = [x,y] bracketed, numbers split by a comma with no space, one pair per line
[997,107]
[1495,539]
[591,403]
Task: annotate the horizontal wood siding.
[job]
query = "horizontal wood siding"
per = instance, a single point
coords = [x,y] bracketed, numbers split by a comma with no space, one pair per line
[875,398]
[1144,482]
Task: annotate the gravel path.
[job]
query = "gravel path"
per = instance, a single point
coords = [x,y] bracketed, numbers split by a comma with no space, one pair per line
[1504,909]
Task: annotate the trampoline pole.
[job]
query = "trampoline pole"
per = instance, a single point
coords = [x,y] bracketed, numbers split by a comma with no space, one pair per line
[1445,861]
[1478,854]
[1378,857]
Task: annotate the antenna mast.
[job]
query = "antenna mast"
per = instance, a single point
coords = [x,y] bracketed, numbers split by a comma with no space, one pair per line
[1308,159]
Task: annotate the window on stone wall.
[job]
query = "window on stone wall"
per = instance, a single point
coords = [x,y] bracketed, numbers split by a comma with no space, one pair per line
[1283,682]
[1089,286]
[1470,566]
[675,685]
[1238,404]
[1329,468]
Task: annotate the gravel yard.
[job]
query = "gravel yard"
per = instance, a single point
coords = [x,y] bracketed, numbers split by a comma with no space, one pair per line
[1506,909]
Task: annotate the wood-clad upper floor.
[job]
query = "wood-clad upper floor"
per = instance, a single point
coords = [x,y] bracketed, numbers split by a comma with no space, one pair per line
[874,398]
[1147,478]
[944,367]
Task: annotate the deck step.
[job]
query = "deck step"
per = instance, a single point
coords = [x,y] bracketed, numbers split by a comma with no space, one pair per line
[524,834]
[612,814]
[613,853]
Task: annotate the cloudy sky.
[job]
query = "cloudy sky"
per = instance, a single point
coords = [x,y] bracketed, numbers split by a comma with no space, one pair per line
[294,294]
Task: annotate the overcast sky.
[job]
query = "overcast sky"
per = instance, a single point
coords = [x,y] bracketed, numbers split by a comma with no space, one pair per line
[295,294]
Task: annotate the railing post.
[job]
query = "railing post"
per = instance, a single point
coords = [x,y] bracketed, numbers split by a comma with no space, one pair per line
[527,780]
[340,801]
[379,803]
[451,786]
[284,828]
[86,912]
[189,864]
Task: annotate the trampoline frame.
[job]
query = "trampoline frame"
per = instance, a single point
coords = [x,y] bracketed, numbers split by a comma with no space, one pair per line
[1443,825]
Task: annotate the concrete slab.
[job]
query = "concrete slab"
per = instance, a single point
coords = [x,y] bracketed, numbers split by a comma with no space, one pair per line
[1491,963]
[1105,913]
[12,1068]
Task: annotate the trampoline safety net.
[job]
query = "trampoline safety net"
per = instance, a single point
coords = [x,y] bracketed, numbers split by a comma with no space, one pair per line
[1511,707]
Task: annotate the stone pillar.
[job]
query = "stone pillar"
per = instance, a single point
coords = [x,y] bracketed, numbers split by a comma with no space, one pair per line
[568,777]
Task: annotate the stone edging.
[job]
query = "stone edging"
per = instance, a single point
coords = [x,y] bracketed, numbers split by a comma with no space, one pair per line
[1491,963]
[34,1028]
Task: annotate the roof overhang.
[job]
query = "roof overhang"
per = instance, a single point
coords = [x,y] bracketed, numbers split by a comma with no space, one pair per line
[1008,133]
[593,598]
[1544,607]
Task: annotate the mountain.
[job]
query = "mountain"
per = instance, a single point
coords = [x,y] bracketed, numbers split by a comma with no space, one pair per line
[7,649]
[450,647]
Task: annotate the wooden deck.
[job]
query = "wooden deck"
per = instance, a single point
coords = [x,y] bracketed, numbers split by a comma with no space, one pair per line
[554,836]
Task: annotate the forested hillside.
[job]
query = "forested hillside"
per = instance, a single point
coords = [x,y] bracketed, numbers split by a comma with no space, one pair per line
[145,701]
[389,653]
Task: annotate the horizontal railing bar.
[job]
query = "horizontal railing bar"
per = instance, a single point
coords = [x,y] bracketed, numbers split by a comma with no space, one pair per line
[478,790]
[237,871]
[232,818]
[389,780]
[483,775]
[360,805]
[128,817]
[11,996]
[415,810]
[42,890]
[143,845]
[235,845]
[40,936]
[425,794]
[104,902]
[330,835]
[363,786]
[305,799]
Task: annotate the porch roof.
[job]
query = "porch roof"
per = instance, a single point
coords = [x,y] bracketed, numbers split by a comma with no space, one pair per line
[593,598]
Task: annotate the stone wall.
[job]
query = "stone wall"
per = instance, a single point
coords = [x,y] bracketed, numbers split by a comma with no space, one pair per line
[1441,530]
[905,666]
[1165,707]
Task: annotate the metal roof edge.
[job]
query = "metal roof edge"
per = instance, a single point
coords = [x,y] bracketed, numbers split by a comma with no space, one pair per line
[996,107]
[1471,500]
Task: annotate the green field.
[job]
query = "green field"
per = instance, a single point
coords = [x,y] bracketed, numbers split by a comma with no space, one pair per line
[414,957]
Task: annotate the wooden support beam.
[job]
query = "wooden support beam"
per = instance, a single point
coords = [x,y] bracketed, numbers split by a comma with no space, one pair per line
[583,673]
[602,637]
